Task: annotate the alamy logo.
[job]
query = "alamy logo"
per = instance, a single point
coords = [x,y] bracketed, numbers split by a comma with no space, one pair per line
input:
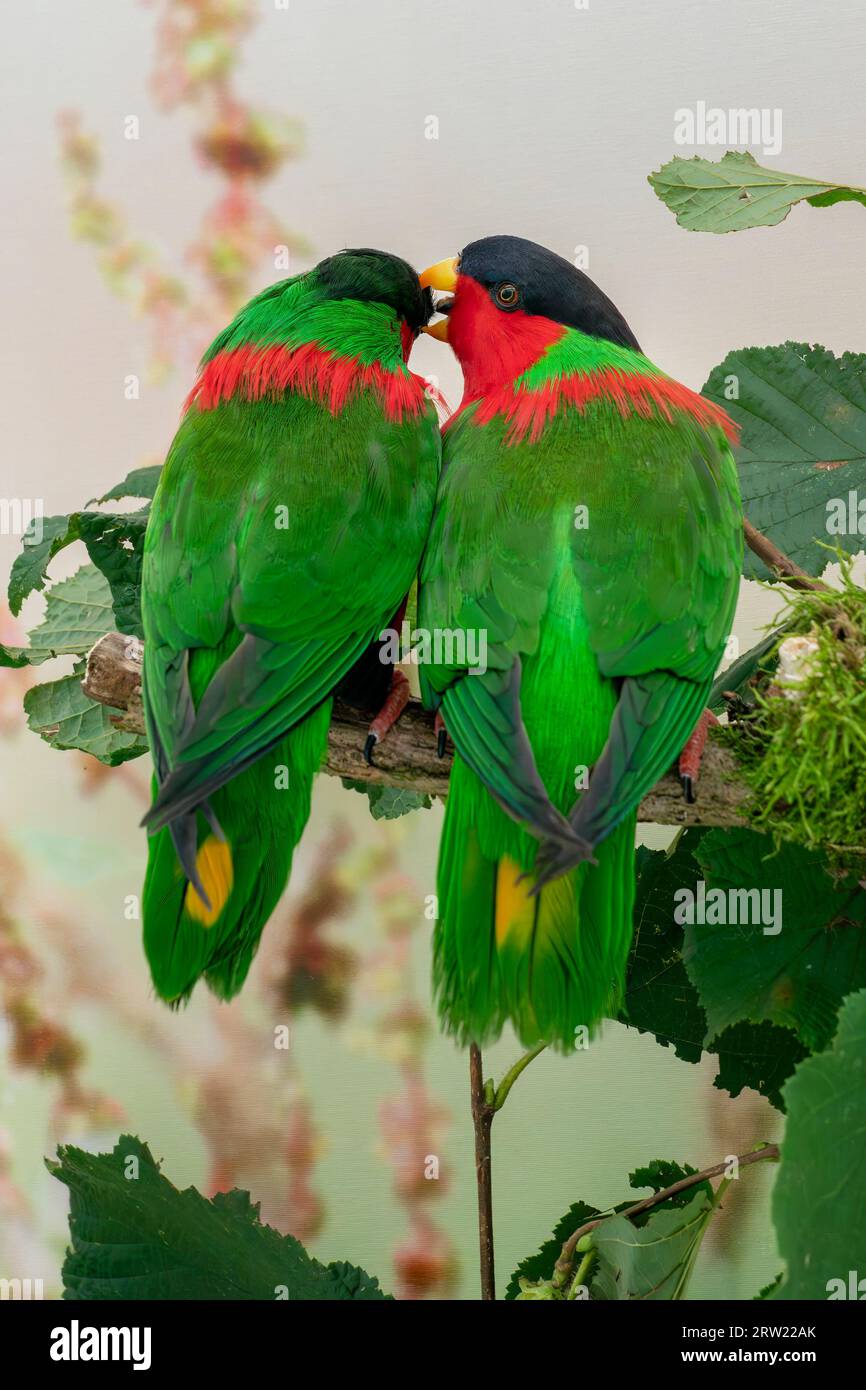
[710,125]
[852,1288]
[22,516]
[732,907]
[444,646]
[846,516]
[21,1289]
[77,1343]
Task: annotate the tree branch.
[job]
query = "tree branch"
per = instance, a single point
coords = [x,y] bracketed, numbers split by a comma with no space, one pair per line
[776,560]
[482,1121]
[500,1095]
[487,1099]
[562,1268]
[407,757]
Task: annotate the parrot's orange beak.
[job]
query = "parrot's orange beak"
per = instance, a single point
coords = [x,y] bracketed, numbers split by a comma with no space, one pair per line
[441,276]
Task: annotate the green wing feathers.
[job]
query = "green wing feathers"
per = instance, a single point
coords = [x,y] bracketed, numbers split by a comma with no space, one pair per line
[243,869]
[660,577]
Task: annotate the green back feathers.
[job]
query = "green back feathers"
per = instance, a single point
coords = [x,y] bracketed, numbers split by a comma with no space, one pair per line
[581,354]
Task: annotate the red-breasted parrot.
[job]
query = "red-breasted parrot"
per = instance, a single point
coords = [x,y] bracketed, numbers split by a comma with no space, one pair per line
[286,530]
[588,520]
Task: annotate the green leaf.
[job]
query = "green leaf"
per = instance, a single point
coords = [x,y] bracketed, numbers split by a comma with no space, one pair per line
[758,1055]
[658,1174]
[796,976]
[115,542]
[838,195]
[661,1173]
[388,803]
[116,545]
[42,541]
[397,801]
[652,1261]
[14,657]
[662,1000]
[140,482]
[61,713]
[540,1266]
[737,676]
[802,416]
[819,1198]
[77,613]
[770,1290]
[735,192]
[136,1236]
[659,997]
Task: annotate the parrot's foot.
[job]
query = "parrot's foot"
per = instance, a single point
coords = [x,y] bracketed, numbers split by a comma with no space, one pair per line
[441,734]
[396,701]
[690,758]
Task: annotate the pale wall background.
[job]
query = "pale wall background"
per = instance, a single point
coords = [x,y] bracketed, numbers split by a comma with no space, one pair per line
[550,119]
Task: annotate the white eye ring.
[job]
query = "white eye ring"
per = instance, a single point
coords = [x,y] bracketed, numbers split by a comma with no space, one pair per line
[507,294]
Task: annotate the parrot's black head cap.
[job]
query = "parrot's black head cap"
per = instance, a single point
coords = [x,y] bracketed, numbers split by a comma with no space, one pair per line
[545,284]
[377,277]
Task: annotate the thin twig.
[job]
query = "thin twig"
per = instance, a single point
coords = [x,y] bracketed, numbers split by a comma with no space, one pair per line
[482,1119]
[580,1278]
[776,560]
[512,1074]
[487,1099]
[562,1268]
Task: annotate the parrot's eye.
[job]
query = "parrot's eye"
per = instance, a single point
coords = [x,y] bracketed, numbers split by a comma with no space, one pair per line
[507,295]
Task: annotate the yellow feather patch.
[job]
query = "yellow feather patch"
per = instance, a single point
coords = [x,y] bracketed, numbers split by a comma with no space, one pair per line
[557,903]
[515,909]
[214,864]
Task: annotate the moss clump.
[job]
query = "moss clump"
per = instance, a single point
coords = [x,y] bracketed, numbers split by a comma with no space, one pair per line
[803,751]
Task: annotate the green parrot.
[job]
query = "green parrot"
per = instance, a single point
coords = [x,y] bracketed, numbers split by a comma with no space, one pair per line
[286,530]
[588,528]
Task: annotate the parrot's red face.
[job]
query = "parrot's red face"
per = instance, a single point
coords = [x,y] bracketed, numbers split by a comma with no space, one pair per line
[511,300]
[492,343]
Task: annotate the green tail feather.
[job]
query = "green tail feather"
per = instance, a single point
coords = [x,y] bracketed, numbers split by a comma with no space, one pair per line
[262,814]
[549,964]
